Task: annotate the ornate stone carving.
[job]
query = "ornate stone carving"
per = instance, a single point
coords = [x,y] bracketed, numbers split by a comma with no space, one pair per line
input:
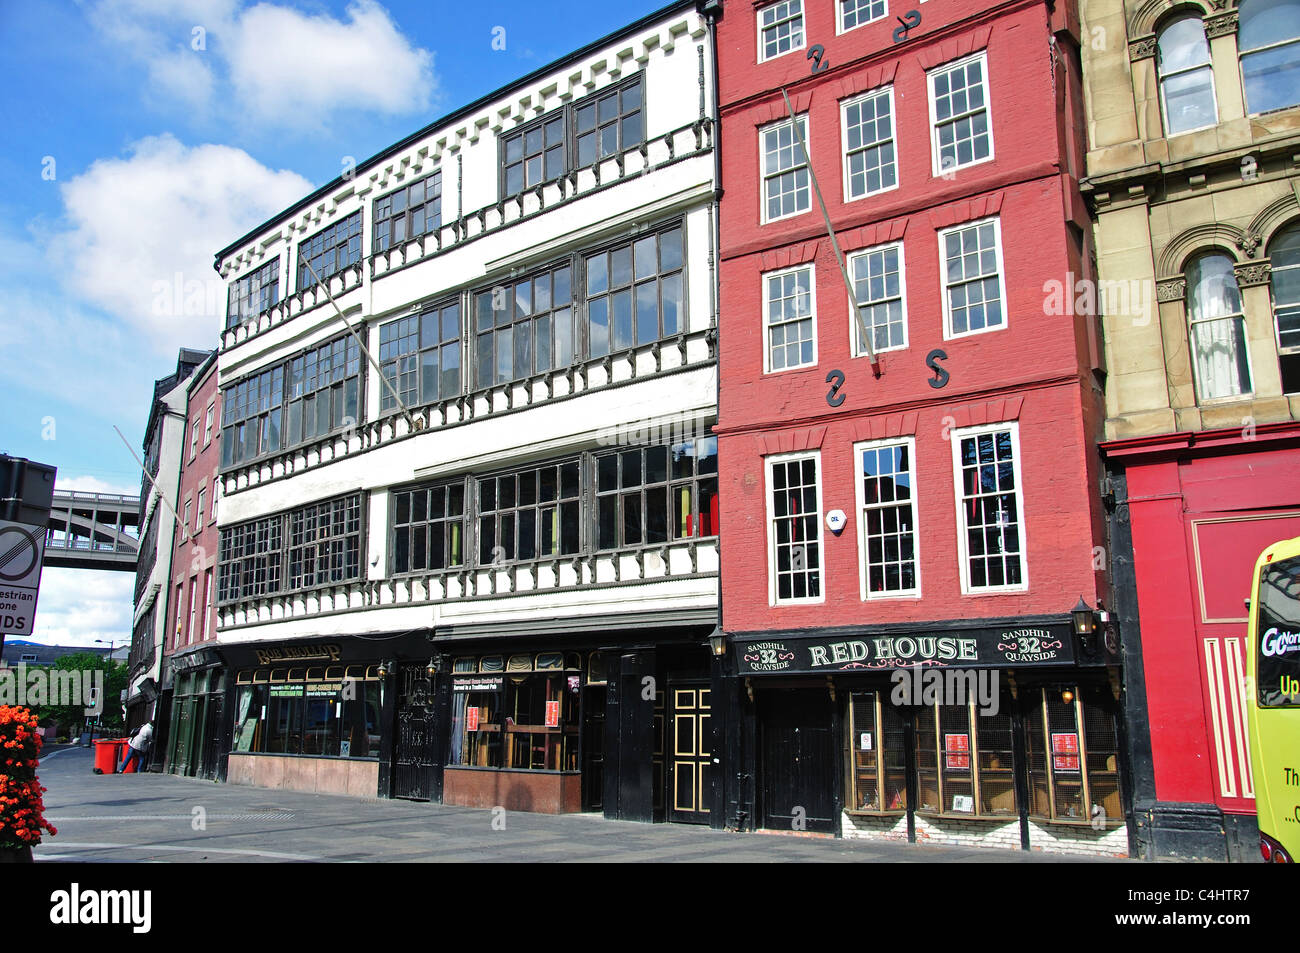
[1256,273]
[1142,48]
[1221,25]
[1171,289]
[1249,243]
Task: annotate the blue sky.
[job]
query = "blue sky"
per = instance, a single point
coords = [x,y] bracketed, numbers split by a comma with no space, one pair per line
[141,136]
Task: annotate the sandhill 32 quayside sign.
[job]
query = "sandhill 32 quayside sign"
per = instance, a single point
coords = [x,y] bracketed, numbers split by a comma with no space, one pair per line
[968,648]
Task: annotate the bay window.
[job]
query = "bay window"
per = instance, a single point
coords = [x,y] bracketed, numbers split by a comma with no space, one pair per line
[429,528]
[253,294]
[324,390]
[530,514]
[409,212]
[330,250]
[647,496]
[419,356]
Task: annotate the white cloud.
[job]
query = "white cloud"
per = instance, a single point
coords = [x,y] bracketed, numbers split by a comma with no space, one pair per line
[78,606]
[280,65]
[143,230]
[90,484]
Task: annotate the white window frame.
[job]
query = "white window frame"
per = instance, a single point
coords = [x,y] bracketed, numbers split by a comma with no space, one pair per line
[198,511]
[864,594]
[759,27]
[955,437]
[839,18]
[185,523]
[982,56]
[208,419]
[767,327]
[888,92]
[207,603]
[801,118]
[194,585]
[768,463]
[194,439]
[1185,71]
[214,497]
[948,333]
[902,293]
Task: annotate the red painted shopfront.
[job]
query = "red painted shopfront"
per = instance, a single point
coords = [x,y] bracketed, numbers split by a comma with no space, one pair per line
[1202,507]
[963,462]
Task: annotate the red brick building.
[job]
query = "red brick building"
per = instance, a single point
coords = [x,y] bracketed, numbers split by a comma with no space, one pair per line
[940,509]
[193,688]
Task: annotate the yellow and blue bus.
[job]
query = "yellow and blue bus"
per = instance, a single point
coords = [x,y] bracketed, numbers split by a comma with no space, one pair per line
[1273,706]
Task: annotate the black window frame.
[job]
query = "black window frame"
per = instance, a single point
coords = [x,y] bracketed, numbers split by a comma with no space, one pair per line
[491,550]
[242,291]
[509,318]
[615,497]
[324,360]
[275,552]
[407,342]
[339,247]
[241,406]
[323,543]
[569,148]
[404,521]
[631,288]
[383,230]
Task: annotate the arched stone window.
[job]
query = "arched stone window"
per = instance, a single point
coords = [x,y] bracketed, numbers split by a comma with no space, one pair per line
[1284,255]
[1218,332]
[1268,39]
[1186,78]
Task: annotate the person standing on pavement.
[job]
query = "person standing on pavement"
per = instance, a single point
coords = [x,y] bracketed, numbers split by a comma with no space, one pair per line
[137,747]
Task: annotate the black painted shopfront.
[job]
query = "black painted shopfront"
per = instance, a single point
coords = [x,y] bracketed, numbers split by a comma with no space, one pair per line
[884,730]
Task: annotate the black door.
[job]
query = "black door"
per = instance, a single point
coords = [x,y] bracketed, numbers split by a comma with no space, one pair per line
[593,748]
[413,771]
[690,768]
[798,760]
[212,736]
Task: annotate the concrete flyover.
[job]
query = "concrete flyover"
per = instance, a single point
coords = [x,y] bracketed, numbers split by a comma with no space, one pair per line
[93,531]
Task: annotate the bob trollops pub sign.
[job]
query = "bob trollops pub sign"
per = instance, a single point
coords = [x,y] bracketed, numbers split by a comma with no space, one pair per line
[1051,644]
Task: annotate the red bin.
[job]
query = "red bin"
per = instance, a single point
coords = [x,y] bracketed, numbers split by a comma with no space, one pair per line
[107,754]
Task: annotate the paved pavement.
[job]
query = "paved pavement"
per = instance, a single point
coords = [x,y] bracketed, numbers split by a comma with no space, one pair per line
[162,818]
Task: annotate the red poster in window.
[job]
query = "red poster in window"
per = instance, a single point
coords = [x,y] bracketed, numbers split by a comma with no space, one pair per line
[952,760]
[1065,751]
[471,719]
[553,714]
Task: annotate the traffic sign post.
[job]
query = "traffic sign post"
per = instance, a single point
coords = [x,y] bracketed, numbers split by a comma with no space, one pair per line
[26,492]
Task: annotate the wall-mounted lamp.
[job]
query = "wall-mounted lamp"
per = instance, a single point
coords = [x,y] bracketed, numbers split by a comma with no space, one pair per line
[1084,618]
[383,669]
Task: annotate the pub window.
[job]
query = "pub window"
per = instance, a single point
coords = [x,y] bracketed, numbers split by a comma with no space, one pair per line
[525,719]
[410,212]
[429,528]
[529,514]
[254,293]
[251,555]
[653,494]
[525,327]
[964,760]
[312,713]
[250,417]
[325,543]
[330,250]
[1073,747]
[634,292]
[324,384]
[877,755]
[419,356]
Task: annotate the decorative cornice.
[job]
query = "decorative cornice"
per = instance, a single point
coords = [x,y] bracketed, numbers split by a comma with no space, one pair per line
[1142,48]
[1254,273]
[1171,289]
[1223,25]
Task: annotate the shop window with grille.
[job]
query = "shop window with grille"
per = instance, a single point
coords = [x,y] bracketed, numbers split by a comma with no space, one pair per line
[964,761]
[877,755]
[1073,747]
